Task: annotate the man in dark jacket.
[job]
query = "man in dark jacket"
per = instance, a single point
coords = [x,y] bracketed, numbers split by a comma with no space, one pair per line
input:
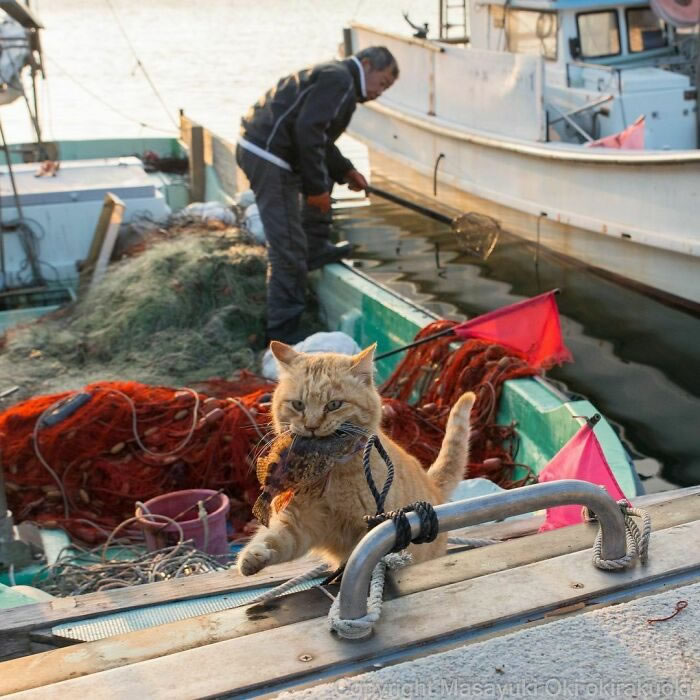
[287,149]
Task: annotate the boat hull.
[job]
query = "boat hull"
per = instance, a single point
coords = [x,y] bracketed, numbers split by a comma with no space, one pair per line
[630,218]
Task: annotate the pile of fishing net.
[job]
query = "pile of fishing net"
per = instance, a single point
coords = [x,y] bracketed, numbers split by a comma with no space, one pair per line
[81,459]
[190,306]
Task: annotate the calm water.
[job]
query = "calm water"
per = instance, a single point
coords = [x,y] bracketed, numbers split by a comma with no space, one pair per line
[212,58]
[636,360]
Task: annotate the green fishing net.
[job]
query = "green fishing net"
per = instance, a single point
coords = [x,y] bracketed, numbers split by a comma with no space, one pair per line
[189,307]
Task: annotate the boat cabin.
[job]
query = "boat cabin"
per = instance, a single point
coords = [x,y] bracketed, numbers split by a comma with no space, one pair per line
[605,65]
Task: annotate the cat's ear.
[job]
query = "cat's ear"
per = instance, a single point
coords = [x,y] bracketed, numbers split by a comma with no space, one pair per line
[284,354]
[363,364]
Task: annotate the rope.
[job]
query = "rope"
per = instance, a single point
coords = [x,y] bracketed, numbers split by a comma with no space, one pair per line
[95,96]
[79,570]
[287,585]
[135,423]
[637,541]
[141,66]
[429,525]
[362,626]
[472,542]
[379,498]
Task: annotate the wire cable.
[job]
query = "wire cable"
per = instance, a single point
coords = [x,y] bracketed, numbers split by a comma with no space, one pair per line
[95,96]
[140,64]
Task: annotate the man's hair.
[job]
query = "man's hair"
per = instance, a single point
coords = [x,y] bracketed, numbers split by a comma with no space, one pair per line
[379,58]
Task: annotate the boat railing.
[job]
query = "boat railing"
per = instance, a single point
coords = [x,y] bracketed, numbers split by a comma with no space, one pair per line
[380,541]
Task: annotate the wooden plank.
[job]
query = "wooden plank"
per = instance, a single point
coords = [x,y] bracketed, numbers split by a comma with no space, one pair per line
[73,661]
[216,627]
[16,624]
[300,651]
[106,230]
[224,163]
[197,173]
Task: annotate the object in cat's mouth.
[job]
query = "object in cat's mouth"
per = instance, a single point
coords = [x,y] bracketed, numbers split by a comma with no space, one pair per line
[294,462]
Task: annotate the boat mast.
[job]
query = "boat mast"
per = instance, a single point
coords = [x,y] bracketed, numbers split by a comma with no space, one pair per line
[24,16]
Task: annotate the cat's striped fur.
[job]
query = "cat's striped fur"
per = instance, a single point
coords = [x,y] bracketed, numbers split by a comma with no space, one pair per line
[316,394]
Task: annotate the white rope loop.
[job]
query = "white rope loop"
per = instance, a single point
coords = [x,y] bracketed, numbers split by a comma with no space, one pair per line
[362,626]
[637,541]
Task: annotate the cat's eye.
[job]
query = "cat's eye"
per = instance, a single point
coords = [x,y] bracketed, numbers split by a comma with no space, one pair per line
[334,405]
[297,405]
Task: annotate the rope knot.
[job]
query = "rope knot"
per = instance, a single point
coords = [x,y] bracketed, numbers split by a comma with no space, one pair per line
[429,526]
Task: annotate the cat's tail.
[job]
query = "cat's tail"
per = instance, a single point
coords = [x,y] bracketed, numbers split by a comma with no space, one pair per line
[448,468]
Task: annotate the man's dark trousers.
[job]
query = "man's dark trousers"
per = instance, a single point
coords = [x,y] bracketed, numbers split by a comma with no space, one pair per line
[277,194]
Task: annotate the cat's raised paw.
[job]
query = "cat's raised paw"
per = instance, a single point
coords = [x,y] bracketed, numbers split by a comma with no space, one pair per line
[253,558]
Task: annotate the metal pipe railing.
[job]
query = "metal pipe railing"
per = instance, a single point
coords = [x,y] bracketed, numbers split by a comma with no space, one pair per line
[379,541]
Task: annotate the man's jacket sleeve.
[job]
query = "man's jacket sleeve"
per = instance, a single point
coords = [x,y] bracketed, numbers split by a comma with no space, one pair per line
[321,105]
[338,164]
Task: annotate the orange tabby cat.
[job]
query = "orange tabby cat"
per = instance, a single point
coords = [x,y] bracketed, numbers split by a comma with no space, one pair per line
[316,394]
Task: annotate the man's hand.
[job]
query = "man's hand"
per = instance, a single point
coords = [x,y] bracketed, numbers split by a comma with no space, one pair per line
[356,181]
[320,201]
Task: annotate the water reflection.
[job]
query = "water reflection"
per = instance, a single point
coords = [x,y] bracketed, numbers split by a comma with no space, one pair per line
[636,358]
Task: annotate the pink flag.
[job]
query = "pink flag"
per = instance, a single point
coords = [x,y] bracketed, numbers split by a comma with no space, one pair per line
[581,458]
[631,138]
[531,327]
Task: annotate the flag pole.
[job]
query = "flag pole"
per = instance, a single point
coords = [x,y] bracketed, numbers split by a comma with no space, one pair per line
[441,334]
[415,343]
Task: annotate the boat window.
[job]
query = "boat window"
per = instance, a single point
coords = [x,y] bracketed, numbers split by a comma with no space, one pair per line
[599,34]
[528,31]
[645,30]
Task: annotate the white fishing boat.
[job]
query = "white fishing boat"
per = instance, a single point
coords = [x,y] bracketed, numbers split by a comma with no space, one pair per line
[507,122]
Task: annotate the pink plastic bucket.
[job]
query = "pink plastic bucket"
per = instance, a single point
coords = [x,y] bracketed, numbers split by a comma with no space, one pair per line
[182,507]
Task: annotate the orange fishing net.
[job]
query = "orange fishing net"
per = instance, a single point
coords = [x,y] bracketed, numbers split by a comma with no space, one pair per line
[81,460]
[433,376]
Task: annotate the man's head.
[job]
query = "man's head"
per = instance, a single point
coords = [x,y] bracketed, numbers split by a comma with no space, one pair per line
[380,68]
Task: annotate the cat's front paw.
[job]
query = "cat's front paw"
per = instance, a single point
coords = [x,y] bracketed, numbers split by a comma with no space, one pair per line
[253,558]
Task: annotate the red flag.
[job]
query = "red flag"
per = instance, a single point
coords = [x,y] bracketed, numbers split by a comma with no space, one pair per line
[581,458]
[631,138]
[531,327]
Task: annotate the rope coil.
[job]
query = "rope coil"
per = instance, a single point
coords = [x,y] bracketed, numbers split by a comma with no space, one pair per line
[429,525]
[637,540]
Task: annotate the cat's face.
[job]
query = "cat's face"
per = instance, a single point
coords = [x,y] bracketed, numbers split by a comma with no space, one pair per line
[317,393]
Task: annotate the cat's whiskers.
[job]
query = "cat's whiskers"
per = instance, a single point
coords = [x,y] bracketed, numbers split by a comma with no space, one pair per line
[351,429]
